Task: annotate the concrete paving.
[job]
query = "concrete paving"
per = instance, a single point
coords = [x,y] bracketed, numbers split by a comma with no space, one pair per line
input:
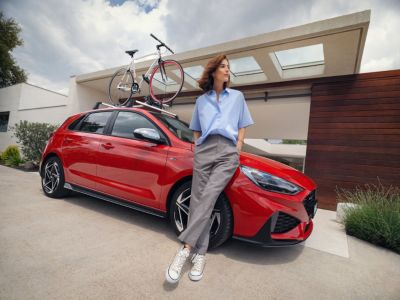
[83,248]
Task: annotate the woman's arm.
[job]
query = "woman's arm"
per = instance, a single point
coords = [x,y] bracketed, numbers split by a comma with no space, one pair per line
[240,142]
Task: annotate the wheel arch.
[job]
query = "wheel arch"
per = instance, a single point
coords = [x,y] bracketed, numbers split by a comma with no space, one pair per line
[48,156]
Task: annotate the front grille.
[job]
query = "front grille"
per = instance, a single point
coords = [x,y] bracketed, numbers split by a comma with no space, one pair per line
[285,223]
[309,203]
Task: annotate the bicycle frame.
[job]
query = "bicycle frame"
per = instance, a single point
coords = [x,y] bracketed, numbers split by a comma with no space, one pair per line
[132,68]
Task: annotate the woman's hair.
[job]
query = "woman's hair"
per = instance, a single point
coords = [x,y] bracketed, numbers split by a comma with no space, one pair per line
[206,81]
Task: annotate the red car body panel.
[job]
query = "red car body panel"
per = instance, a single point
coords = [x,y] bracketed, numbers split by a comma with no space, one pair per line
[144,173]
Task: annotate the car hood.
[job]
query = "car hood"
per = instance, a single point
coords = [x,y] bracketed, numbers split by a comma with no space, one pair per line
[277,169]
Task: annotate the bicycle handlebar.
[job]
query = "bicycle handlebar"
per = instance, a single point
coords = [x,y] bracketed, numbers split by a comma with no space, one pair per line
[162,43]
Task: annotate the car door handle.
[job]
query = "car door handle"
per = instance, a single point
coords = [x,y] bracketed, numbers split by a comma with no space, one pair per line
[68,140]
[107,146]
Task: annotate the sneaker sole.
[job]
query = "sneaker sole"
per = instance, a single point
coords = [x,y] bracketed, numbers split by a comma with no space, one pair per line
[169,278]
[195,277]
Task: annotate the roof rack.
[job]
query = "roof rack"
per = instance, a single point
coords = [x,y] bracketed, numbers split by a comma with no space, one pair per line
[140,104]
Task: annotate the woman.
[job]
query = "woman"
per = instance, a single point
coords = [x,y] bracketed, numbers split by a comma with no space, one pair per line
[218,123]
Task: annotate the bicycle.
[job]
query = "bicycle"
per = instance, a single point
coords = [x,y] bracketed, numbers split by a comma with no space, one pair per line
[164,77]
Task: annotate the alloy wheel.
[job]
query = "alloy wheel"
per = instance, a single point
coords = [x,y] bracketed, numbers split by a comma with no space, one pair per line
[181,213]
[51,178]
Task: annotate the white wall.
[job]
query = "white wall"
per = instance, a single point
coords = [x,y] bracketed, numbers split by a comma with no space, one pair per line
[33,104]
[82,98]
[282,118]
[37,97]
[9,101]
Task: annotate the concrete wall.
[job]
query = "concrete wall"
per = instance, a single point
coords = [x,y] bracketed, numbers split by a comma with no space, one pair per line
[283,118]
[82,98]
[33,104]
[9,101]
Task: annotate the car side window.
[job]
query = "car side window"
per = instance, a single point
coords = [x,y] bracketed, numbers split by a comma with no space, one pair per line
[95,122]
[126,122]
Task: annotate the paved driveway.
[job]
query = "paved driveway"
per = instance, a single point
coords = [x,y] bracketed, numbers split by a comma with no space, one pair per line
[80,247]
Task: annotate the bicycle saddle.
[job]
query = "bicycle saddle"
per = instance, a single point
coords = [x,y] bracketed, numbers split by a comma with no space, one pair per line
[131,52]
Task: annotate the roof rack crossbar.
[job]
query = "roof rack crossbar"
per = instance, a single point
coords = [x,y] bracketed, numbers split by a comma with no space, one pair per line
[141,104]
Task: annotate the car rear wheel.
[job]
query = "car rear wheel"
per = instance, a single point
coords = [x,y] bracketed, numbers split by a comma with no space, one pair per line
[53,178]
[221,217]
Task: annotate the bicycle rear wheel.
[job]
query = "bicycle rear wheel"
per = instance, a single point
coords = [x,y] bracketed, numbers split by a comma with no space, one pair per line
[120,87]
[166,81]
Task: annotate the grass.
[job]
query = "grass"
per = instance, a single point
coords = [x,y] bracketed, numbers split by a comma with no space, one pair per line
[376,218]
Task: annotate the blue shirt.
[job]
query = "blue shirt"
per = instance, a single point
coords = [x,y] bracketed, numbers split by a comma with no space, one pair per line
[224,117]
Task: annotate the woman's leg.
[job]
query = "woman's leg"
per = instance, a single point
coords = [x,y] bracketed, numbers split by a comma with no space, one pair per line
[218,180]
[202,168]
[223,159]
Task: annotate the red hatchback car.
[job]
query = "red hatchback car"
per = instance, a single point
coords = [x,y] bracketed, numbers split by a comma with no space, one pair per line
[143,159]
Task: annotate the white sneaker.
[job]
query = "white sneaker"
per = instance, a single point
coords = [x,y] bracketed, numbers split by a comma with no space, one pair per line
[199,262]
[173,272]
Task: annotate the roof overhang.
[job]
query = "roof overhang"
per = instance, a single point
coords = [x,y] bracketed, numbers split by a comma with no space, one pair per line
[341,40]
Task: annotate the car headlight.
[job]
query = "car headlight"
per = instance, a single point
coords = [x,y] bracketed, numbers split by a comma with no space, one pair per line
[269,182]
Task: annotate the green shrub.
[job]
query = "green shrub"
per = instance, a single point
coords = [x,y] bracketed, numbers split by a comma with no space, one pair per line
[33,137]
[376,218]
[11,156]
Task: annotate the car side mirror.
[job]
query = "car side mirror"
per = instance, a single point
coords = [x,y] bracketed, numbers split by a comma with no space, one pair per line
[149,134]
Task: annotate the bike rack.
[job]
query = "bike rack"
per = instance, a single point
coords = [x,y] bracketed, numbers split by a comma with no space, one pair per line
[141,104]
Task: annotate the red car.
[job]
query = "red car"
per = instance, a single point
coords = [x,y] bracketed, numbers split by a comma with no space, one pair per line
[143,159]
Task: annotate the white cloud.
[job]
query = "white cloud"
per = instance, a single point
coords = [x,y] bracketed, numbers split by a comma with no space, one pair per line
[64,38]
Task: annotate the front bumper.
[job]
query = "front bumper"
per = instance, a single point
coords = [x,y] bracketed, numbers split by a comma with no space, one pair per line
[266,238]
[268,218]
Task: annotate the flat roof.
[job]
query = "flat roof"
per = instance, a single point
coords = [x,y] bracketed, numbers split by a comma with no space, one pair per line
[325,48]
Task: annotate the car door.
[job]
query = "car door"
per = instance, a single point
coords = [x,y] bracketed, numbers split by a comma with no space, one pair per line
[130,168]
[80,149]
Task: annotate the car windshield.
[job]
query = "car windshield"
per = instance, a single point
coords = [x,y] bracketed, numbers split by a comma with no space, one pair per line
[179,128]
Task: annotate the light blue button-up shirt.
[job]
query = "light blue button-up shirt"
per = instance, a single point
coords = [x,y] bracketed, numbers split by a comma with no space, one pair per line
[224,117]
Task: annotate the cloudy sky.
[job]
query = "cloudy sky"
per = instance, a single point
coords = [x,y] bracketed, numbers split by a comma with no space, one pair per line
[70,37]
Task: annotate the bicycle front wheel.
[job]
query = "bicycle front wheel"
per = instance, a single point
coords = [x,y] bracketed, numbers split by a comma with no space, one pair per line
[166,81]
[120,87]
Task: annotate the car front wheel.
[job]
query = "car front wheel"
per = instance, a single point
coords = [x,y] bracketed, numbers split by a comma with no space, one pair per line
[221,216]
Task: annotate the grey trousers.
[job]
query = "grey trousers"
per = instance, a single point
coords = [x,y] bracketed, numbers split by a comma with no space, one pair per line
[215,162]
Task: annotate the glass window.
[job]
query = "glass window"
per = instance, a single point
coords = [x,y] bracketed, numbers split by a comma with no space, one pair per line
[127,122]
[301,57]
[74,125]
[179,128]
[4,116]
[244,66]
[95,122]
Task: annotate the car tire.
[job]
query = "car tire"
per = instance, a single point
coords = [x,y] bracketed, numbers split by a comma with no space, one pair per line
[53,178]
[222,227]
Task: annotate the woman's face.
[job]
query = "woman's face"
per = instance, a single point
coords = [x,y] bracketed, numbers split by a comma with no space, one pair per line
[221,74]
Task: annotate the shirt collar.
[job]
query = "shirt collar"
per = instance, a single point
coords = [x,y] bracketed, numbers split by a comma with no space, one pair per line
[211,92]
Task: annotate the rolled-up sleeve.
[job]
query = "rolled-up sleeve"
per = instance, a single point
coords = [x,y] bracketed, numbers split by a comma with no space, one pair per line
[245,118]
[195,123]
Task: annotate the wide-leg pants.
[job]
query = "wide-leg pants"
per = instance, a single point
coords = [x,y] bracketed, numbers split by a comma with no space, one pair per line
[215,162]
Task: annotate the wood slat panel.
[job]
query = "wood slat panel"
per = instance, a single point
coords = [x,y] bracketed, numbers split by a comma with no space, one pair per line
[350,119]
[344,102]
[360,95]
[354,133]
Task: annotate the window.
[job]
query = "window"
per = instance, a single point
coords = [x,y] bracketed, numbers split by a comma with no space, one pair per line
[179,128]
[4,116]
[127,122]
[301,57]
[75,124]
[95,122]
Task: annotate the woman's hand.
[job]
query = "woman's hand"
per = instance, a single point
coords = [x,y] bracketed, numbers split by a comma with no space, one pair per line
[239,146]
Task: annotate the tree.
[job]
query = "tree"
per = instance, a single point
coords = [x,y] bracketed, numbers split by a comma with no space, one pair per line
[10,72]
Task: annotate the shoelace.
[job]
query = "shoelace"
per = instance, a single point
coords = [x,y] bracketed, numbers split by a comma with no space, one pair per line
[199,263]
[179,261]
